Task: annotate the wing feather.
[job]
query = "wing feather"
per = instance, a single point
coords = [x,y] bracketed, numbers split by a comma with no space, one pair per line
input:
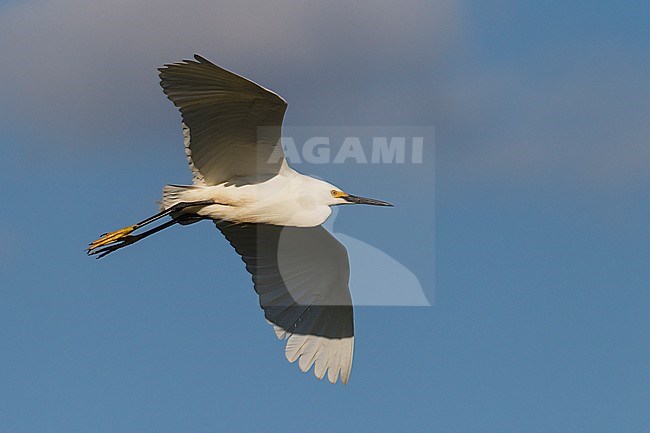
[301,275]
[231,125]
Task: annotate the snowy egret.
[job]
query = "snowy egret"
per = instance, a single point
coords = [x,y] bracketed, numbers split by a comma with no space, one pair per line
[270,213]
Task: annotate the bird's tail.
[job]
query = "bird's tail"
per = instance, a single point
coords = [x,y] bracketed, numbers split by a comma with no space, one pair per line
[174,194]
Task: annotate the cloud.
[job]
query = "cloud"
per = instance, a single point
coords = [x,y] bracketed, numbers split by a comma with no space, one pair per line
[576,118]
[79,73]
[87,69]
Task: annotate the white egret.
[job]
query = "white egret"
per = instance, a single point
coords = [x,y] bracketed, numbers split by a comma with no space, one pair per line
[270,213]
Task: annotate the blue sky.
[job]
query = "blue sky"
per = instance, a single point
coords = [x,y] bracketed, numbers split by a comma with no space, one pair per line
[531,235]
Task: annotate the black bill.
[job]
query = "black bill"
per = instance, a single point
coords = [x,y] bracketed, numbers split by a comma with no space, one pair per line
[362,200]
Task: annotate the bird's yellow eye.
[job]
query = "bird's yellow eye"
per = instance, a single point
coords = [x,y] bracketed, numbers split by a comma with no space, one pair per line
[334,193]
[338,194]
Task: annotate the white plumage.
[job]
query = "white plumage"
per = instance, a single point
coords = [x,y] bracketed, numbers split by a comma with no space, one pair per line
[269,213]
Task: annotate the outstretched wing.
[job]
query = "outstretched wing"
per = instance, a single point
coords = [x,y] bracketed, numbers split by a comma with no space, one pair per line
[301,275]
[231,125]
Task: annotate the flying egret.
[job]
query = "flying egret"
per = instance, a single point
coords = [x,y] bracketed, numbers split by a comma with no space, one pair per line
[270,213]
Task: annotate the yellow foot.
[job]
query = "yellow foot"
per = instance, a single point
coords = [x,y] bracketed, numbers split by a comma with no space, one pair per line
[111,238]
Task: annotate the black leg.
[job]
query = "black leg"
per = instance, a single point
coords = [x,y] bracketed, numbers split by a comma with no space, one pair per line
[177,207]
[131,239]
[124,235]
